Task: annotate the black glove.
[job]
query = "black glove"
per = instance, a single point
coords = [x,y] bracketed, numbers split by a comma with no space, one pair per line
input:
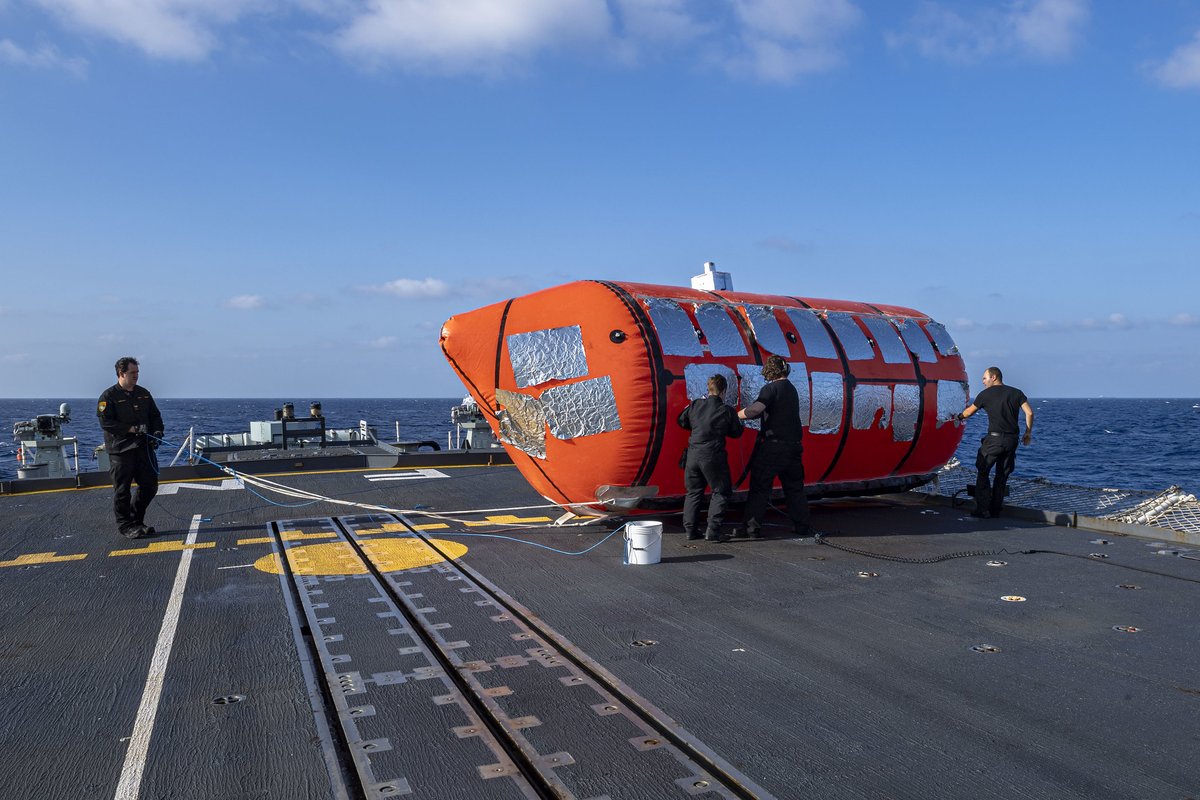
[139,430]
[155,439]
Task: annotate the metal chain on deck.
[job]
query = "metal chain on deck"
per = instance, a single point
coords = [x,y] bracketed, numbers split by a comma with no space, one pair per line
[1170,508]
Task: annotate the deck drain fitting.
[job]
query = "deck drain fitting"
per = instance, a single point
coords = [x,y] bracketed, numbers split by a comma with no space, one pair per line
[865,574]
[1013,598]
[986,648]
[1126,628]
[228,699]
[997,563]
[1101,541]
[1097,555]
[700,785]
[643,642]
[1128,586]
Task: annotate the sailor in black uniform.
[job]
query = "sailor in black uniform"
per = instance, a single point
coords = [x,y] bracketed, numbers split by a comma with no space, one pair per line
[710,422]
[998,448]
[127,413]
[779,451]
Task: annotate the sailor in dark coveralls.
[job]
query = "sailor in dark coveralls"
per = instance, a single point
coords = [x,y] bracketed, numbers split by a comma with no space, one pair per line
[999,447]
[710,422]
[127,413]
[779,451]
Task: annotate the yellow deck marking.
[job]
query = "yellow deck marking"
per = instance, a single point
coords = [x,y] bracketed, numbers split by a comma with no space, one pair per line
[289,536]
[506,519]
[338,558]
[40,558]
[432,526]
[387,527]
[163,547]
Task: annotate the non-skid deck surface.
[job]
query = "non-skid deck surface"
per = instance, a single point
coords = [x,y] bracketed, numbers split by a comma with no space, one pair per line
[779,662]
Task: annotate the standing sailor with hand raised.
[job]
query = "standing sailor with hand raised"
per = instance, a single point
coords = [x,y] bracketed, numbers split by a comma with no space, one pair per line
[127,413]
[998,447]
[706,464]
[779,451]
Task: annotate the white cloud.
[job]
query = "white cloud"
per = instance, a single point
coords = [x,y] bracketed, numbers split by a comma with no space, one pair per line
[409,289]
[1119,321]
[1182,69]
[468,35]
[783,39]
[1185,320]
[383,342]
[13,359]
[769,39]
[1042,29]
[45,57]
[659,20]
[1113,322]
[1048,28]
[774,40]
[172,29]
[245,302]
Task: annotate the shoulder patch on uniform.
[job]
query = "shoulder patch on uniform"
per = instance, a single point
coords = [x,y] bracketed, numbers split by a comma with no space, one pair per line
[100,408]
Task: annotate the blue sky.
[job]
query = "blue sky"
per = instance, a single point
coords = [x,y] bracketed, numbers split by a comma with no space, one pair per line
[286,198]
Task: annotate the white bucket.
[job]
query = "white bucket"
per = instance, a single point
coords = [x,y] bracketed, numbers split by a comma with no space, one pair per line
[643,542]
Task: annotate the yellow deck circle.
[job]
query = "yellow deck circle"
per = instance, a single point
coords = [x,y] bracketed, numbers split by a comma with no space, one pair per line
[338,558]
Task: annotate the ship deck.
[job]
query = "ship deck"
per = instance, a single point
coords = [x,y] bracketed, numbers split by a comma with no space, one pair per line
[255,650]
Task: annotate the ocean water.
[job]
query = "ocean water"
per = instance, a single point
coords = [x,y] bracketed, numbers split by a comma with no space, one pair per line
[1113,443]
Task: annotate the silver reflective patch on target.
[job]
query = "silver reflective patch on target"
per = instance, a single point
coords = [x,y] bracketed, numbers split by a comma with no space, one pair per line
[720,332]
[766,329]
[871,402]
[697,375]
[799,378]
[906,406]
[675,330]
[941,338]
[853,340]
[828,397]
[581,409]
[751,384]
[522,422]
[547,355]
[817,343]
[951,399]
[893,349]
[916,339]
